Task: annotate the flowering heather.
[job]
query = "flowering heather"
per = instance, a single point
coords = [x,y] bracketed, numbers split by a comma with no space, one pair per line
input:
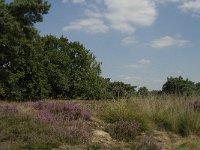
[68,119]
[40,105]
[124,130]
[57,111]
[79,131]
[46,117]
[9,108]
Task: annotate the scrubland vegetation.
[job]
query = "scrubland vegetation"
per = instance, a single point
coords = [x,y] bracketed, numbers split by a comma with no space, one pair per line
[52,124]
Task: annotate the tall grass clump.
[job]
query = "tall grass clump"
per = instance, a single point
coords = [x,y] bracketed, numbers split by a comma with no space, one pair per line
[176,114]
[113,112]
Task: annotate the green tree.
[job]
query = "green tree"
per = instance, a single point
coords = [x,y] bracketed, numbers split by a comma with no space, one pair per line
[56,62]
[19,52]
[143,91]
[178,86]
[121,90]
[35,67]
[84,73]
[197,88]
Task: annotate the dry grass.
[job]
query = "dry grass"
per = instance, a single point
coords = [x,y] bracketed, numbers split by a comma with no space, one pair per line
[171,114]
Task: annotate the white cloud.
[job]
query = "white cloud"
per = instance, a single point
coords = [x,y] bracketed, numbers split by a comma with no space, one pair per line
[128,78]
[73,1]
[168,41]
[129,40]
[121,15]
[140,64]
[191,6]
[125,15]
[88,25]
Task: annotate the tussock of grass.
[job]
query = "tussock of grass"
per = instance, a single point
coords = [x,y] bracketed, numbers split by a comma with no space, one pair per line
[178,117]
[118,111]
[172,114]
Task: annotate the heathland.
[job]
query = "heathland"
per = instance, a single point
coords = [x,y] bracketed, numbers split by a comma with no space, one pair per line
[150,123]
[54,97]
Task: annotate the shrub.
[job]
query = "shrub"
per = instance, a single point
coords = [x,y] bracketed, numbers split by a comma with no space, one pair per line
[124,130]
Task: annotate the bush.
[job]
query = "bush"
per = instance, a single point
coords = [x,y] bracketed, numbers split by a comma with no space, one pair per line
[124,130]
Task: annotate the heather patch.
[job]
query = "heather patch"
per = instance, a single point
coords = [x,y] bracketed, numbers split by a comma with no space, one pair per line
[8,108]
[59,112]
[124,130]
[43,125]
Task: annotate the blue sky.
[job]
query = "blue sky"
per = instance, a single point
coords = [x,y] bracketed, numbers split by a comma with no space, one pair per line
[141,42]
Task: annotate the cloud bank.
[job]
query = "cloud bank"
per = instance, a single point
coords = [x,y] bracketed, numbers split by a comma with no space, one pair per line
[123,16]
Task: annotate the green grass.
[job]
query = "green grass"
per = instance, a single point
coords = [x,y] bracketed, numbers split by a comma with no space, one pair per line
[172,114]
[126,111]
[178,117]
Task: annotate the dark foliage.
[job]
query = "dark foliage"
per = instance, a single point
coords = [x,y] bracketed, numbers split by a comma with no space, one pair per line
[34,67]
[119,90]
[179,86]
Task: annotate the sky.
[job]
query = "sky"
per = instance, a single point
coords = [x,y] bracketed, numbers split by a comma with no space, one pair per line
[140,42]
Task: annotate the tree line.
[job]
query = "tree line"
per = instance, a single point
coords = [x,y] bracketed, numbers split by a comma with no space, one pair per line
[36,67]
